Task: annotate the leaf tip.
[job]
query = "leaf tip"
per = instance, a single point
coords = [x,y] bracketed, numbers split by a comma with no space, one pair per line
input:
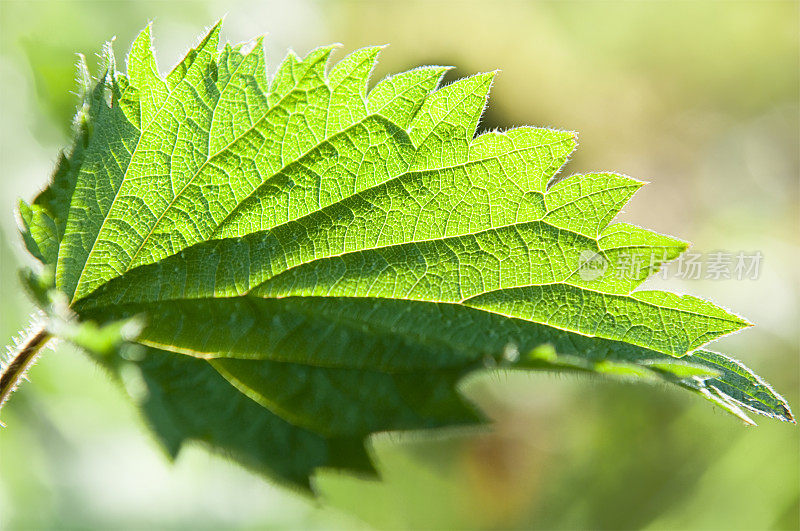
[490,75]
[218,24]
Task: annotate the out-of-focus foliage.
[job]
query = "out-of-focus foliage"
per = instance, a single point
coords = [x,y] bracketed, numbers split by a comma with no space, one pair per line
[691,96]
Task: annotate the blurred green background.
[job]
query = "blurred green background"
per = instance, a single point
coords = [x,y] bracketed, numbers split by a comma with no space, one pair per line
[699,98]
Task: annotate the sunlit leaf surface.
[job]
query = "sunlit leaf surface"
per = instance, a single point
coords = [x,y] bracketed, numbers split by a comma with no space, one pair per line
[315,261]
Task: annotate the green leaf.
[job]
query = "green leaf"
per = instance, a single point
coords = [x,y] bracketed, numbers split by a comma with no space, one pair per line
[314,261]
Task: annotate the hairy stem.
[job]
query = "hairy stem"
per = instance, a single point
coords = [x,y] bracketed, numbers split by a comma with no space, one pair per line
[21,360]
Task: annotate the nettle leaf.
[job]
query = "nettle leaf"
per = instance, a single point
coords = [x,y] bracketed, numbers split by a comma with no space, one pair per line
[313,261]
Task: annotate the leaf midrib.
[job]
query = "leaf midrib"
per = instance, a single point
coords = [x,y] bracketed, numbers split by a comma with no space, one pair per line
[463,304]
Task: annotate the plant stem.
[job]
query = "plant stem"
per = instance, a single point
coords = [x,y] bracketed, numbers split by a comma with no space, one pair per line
[21,360]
